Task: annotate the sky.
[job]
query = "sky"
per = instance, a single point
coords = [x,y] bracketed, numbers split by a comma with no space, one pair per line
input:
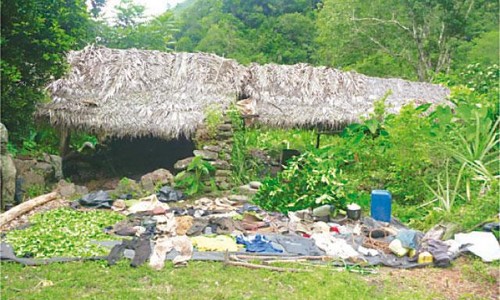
[153,7]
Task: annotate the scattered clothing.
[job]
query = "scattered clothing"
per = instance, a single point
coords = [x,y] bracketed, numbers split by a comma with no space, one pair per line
[334,247]
[141,246]
[296,245]
[258,243]
[184,223]
[162,246]
[166,240]
[217,243]
[199,224]
[439,251]
[219,204]
[147,204]
[409,238]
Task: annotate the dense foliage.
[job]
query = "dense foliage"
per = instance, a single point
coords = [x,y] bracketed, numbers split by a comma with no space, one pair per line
[439,165]
[35,37]
[63,233]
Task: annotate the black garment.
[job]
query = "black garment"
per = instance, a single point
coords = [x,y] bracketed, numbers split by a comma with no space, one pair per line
[439,250]
[141,246]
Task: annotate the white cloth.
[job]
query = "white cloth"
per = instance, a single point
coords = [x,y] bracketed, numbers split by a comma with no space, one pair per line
[164,245]
[334,246]
[483,244]
[166,240]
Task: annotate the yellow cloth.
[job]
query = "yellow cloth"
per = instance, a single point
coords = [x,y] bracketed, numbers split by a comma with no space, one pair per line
[217,243]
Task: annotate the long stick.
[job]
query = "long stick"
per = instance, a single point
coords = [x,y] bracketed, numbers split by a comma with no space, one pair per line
[254,266]
[25,207]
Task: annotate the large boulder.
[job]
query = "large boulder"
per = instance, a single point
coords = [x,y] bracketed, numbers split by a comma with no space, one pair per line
[7,170]
[156,178]
[4,138]
[34,172]
[8,179]
[69,190]
[39,172]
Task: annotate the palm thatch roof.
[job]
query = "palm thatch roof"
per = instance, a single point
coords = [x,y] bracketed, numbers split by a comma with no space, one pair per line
[150,93]
[302,95]
[141,93]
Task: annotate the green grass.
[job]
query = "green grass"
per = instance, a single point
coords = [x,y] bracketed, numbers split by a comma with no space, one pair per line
[200,280]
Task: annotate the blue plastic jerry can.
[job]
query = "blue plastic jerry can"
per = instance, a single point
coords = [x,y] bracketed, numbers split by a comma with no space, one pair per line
[381,205]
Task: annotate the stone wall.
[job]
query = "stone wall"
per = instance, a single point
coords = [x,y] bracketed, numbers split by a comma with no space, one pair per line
[217,152]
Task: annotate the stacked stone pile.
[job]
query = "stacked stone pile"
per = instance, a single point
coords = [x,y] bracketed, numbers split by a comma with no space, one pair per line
[217,152]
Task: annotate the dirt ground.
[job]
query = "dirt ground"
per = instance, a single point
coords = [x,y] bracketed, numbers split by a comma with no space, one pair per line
[467,278]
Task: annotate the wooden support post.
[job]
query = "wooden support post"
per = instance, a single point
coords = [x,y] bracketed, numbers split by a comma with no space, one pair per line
[64,139]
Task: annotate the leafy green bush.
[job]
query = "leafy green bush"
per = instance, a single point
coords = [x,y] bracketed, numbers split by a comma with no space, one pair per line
[310,180]
[63,232]
[194,177]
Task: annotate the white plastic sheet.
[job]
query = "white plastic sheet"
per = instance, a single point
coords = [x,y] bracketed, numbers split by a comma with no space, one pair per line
[483,244]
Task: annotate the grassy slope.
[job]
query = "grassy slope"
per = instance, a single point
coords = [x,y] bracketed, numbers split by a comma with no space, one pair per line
[200,280]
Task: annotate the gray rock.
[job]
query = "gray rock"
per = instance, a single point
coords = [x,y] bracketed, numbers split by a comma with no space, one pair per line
[81,190]
[8,184]
[224,135]
[207,155]
[225,127]
[128,186]
[4,138]
[255,184]
[45,169]
[56,162]
[41,172]
[24,165]
[223,173]
[239,198]
[224,185]
[183,163]
[158,177]
[212,148]
[247,190]
[66,189]
[31,178]
[221,165]
[225,156]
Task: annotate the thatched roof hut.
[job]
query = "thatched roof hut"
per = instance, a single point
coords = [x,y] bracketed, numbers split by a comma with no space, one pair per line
[138,93]
[302,95]
[150,93]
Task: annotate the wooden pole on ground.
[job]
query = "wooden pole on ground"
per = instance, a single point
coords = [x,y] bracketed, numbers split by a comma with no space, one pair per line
[25,207]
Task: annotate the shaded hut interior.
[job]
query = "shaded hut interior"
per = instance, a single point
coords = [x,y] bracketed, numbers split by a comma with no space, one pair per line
[126,157]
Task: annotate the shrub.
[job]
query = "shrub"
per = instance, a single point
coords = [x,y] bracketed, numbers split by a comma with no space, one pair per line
[309,180]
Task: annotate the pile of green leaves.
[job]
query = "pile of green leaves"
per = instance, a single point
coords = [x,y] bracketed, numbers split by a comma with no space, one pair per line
[310,180]
[63,233]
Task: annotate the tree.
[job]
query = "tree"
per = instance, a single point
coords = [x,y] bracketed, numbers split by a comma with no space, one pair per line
[35,37]
[97,6]
[424,34]
[129,14]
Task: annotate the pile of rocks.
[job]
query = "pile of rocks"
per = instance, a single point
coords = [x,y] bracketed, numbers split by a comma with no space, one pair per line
[218,154]
[42,171]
